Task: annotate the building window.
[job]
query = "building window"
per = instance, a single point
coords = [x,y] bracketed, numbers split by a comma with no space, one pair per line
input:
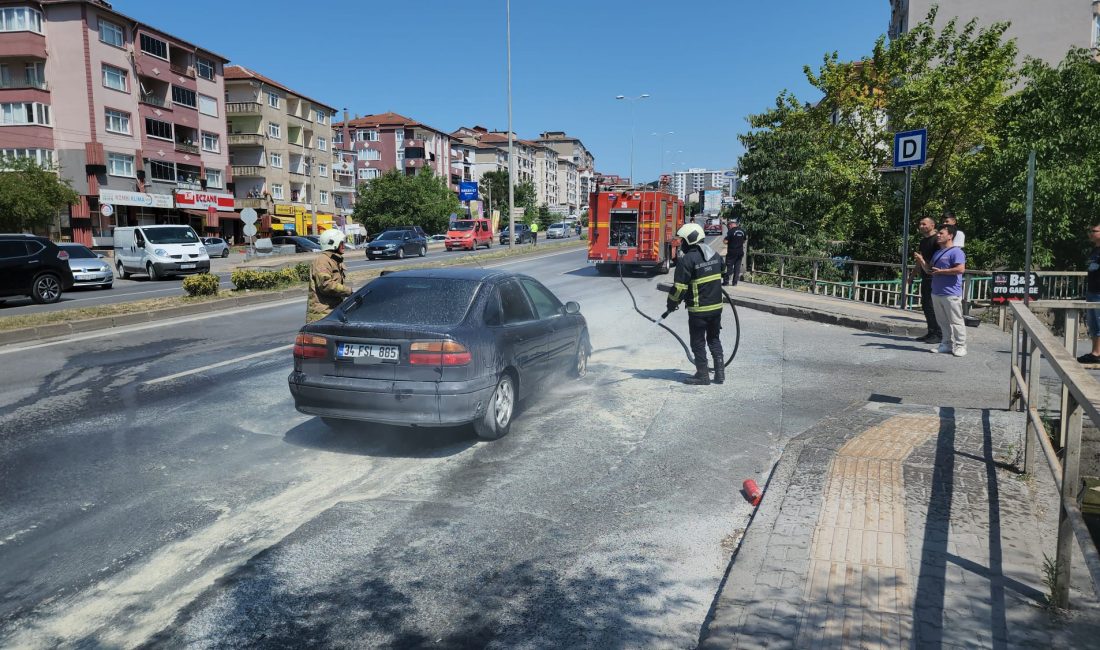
[210,142]
[322,197]
[184,97]
[322,170]
[44,157]
[34,74]
[276,160]
[277,191]
[154,46]
[161,171]
[322,144]
[119,164]
[368,173]
[399,134]
[19,113]
[369,154]
[111,34]
[158,129]
[366,135]
[214,179]
[338,138]
[205,67]
[118,122]
[322,117]
[114,78]
[273,100]
[208,106]
[274,130]
[20,19]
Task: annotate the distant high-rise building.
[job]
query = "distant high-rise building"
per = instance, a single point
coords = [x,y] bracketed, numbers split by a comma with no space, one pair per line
[685,183]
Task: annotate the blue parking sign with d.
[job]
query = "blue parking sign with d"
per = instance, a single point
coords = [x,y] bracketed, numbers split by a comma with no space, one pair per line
[910,148]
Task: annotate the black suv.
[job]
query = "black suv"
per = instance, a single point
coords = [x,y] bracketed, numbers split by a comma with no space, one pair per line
[33,266]
[397,242]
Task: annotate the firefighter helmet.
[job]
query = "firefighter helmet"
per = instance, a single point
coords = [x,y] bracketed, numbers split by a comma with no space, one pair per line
[331,239]
[691,233]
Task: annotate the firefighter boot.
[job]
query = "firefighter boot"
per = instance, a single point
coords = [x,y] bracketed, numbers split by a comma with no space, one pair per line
[701,376]
[719,371]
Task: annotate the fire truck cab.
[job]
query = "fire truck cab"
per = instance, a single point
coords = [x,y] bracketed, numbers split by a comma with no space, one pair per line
[635,228]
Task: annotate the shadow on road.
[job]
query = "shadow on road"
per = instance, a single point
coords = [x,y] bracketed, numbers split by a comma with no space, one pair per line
[381,441]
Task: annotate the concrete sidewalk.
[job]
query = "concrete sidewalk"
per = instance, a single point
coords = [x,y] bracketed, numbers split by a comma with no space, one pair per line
[892,526]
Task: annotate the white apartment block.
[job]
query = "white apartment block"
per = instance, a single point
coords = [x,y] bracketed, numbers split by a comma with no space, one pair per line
[697,179]
[568,185]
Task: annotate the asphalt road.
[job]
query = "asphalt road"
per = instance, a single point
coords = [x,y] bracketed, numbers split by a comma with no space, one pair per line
[157,486]
[140,287]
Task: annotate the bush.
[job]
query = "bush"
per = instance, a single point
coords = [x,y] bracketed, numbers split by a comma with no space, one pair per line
[302,269]
[246,279]
[203,284]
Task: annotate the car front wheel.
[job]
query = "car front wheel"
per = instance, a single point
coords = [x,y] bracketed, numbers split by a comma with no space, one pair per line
[46,289]
[400,253]
[580,361]
[423,251]
[497,420]
[225,253]
[122,271]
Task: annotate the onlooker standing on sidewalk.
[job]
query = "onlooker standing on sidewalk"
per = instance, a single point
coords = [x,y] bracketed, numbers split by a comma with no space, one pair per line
[946,268]
[735,251]
[1092,294]
[927,248]
[950,220]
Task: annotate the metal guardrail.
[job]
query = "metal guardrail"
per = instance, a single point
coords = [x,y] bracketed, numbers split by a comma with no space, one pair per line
[1031,343]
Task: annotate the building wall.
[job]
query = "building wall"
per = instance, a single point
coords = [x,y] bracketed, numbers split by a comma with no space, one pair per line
[1045,29]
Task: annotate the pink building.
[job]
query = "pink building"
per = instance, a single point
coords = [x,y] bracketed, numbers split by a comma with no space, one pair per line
[133,117]
[391,141]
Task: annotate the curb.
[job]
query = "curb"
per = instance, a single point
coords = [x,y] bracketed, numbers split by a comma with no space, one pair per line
[829,318]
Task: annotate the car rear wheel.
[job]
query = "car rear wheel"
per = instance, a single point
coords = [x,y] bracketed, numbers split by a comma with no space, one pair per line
[122,271]
[400,253]
[497,420]
[46,289]
[423,251]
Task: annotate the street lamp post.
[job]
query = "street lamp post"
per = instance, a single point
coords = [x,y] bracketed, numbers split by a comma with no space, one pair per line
[631,100]
[511,151]
[661,151]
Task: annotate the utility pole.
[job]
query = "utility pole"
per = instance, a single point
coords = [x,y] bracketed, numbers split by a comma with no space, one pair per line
[312,194]
[631,101]
[511,144]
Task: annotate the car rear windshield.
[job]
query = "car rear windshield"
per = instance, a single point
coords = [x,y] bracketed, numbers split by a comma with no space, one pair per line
[414,301]
[78,252]
[462,225]
[181,235]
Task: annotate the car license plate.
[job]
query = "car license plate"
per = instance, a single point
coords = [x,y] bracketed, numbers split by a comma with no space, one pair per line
[367,351]
[187,266]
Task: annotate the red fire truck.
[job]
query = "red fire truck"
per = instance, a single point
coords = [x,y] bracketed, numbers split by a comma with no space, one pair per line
[636,228]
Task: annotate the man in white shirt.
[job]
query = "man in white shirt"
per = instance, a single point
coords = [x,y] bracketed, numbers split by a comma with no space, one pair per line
[949,219]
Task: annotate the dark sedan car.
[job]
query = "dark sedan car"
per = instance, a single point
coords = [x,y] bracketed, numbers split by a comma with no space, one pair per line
[523,234]
[300,244]
[397,243]
[437,348]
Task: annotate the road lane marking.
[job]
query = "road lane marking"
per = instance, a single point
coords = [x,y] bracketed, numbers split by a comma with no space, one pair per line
[219,364]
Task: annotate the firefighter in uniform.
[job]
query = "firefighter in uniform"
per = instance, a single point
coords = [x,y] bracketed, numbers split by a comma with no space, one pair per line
[327,277]
[699,271]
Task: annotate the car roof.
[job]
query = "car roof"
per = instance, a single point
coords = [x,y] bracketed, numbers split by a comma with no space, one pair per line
[480,275]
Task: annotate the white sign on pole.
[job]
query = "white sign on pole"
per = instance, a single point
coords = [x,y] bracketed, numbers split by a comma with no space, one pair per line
[106,209]
[249,229]
[248,216]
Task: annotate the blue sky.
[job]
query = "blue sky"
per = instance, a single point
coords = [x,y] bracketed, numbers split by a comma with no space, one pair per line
[706,63]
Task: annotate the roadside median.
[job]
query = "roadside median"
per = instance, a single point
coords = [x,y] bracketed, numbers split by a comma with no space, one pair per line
[30,327]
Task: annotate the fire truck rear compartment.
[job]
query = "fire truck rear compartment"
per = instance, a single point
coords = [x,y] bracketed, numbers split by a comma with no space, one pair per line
[624,228]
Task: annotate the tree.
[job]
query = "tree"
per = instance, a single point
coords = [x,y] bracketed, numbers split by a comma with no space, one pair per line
[497,185]
[395,199]
[31,195]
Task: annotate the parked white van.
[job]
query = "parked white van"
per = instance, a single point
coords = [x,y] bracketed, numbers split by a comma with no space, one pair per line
[159,251]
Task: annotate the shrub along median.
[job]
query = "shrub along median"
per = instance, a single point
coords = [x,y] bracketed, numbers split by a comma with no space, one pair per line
[246,282]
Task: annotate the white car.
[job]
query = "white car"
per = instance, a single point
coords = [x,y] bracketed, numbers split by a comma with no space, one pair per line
[558,231]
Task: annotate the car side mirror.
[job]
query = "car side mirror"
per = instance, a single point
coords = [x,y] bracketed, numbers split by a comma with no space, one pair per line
[572,307]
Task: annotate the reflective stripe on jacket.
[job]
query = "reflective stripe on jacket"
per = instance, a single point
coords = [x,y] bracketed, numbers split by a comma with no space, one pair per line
[698,280]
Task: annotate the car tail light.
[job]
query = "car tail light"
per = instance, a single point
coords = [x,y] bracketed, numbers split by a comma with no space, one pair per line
[438,353]
[310,346]
[63,256]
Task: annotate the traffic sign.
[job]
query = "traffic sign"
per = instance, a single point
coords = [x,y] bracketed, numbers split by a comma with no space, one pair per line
[106,209]
[249,229]
[248,216]
[910,148]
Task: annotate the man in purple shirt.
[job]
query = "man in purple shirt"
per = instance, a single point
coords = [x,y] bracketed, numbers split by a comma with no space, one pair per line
[946,267]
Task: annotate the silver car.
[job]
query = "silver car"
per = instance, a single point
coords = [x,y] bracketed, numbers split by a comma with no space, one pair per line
[89,269]
[216,246]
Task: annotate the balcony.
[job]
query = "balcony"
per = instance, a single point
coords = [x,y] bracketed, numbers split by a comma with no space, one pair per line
[255,204]
[415,163]
[246,139]
[185,147]
[23,84]
[244,108]
[301,120]
[300,171]
[248,171]
[182,70]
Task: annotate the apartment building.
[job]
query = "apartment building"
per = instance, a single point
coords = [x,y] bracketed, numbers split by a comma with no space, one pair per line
[391,141]
[546,173]
[686,183]
[131,115]
[1044,30]
[568,198]
[574,150]
[281,148]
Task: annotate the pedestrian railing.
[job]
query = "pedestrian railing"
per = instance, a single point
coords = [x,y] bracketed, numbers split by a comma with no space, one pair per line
[809,274]
[1032,343]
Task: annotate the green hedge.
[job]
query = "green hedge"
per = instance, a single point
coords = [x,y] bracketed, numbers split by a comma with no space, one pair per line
[302,269]
[244,279]
[203,284]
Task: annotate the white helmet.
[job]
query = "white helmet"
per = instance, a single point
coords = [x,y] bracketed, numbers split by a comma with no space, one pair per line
[691,233]
[331,239]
